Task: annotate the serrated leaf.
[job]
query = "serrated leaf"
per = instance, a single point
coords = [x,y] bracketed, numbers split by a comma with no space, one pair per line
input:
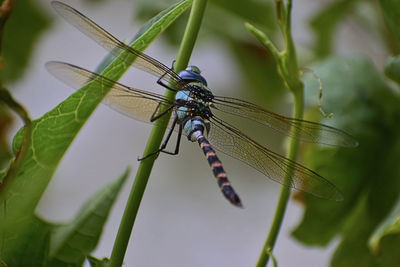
[72,242]
[391,12]
[392,69]
[369,175]
[54,132]
[22,30]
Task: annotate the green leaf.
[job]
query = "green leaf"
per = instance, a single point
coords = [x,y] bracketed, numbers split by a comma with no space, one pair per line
[392,69]
[369,175]
[6,121]
[22,31]
[255,12]
[324,25]
[262,80]
[33,245]
[390,226]
[391,12]
[20,157]
[353,249]
[72,242]
[68,244]
[53,133]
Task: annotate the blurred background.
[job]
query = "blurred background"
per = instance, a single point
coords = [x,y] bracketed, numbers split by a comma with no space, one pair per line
[184,220]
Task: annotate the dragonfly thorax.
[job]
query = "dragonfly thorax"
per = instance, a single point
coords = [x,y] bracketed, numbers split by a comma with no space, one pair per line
[199,90]
[189,105]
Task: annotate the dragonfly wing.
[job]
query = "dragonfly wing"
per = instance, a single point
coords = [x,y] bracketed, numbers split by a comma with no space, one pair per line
[115,46]
[306,131]
[135,103]
[231,141]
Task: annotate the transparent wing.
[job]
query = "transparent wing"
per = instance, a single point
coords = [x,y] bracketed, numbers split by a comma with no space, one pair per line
[135,103]
[234,143]
[307,131]
[115,46]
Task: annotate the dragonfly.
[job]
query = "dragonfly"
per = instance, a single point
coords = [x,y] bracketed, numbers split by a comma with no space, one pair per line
[194,115]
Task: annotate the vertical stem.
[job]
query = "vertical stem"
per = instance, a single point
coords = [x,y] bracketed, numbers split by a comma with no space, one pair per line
[154,141]
[285,190]
[190,35]
[289,70]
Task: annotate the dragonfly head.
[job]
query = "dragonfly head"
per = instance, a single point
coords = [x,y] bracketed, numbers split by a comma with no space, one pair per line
[192,73]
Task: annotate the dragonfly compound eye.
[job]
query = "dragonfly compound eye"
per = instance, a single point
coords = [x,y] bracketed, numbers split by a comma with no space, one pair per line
[192,74]
[194,69]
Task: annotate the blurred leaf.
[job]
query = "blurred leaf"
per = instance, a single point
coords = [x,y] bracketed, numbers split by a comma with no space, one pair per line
[148,8]
[392,69]
[22,31]
[33,245]
[389,252]
[72,242]
[369,175]
[255,12]
[52,135]
[258,66]
[234,14]
[6,121]
[390,226]
[391,12]
[325,23]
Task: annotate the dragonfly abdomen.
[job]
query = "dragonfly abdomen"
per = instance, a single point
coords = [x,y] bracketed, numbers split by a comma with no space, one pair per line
[219,172]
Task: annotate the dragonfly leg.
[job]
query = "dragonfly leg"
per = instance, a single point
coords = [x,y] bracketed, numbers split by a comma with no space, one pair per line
[219,172]
[165,142]
[178,141]
[160,82]
[156,116]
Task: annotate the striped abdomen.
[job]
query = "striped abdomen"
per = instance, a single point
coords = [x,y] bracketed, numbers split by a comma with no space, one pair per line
[219,172]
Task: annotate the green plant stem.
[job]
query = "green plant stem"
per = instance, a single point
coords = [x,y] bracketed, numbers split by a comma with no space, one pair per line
[285,190]
[289,70]
[23,151]
[155,139]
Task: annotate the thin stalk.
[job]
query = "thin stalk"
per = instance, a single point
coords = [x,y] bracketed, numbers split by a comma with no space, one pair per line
[285,190]
[24,148]
[289,70]
[154,141]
